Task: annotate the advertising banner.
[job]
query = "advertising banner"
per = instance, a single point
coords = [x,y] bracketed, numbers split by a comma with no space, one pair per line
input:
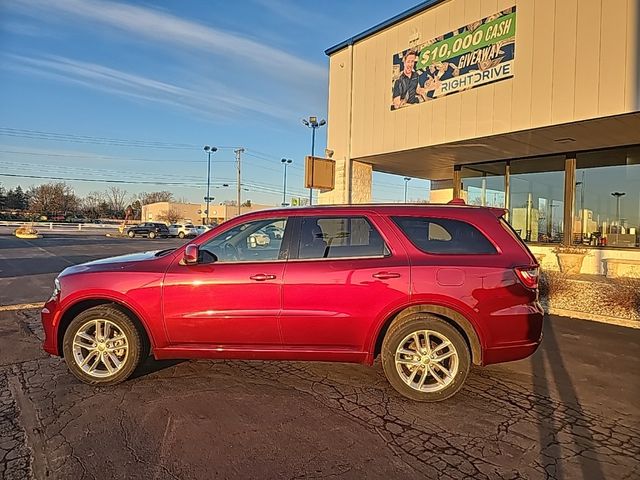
[473,55]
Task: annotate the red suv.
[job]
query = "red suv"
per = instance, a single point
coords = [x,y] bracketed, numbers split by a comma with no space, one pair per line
[431,289]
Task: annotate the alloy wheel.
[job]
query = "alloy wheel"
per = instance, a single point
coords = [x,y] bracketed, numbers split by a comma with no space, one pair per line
[100,348]
[426,361]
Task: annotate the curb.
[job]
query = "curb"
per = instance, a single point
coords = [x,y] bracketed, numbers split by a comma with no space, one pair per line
[621,322]
[21,306]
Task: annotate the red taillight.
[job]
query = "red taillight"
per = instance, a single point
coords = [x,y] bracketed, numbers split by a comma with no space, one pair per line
[528,276]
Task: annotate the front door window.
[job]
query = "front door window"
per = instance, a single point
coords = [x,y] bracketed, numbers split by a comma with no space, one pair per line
[256,241]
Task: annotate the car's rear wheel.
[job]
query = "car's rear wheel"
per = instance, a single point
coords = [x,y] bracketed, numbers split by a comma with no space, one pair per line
[131,234]
[425,358]
[152,235]
[181,235]
[102,346]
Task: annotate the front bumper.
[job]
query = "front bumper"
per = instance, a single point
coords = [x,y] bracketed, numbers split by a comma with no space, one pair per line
[50,317]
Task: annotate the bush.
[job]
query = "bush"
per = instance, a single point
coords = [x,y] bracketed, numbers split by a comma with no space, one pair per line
[552,284]
[570,249]
[625,293]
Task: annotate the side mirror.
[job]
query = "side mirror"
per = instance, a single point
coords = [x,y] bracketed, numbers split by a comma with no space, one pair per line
[191,255]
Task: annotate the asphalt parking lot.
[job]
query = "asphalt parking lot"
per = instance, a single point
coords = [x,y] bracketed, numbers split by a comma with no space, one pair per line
[28,267]
[570,411]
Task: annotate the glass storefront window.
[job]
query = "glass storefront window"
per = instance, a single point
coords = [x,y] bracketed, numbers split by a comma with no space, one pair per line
[483,184]
[607,198]
[536,207]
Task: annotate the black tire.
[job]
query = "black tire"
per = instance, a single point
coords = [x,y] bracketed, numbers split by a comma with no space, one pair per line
[181,235]
[152,235]
[131,233]
[398,332]
[137,351]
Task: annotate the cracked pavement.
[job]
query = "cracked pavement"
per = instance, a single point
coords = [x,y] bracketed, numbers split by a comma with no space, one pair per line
[571,411]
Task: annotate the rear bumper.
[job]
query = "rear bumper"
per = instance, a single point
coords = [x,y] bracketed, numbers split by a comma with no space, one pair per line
[518,333]
[510,353]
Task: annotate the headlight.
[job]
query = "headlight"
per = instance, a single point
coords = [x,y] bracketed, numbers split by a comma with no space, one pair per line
[56,289]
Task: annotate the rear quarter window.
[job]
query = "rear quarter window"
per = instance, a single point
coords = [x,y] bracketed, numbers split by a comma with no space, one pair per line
[445,236]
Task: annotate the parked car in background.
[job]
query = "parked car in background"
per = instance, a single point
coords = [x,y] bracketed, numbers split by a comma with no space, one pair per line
[200,229]
[259,239]
[148,229]
[431,289]
[182,230]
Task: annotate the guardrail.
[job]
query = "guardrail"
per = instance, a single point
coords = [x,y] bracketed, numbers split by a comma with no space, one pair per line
[58,226]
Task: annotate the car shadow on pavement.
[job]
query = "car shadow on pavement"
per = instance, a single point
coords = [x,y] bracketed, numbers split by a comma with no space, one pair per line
[555,444]
[151,365]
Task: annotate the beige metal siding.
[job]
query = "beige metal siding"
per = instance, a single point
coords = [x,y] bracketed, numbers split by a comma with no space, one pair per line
[338,130]
[574,60]
[564,61]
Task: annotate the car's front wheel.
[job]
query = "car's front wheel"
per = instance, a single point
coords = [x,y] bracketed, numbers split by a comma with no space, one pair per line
[425,358]
[102,346]
[131,234]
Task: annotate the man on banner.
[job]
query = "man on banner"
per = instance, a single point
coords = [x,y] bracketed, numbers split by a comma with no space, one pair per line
[406,89]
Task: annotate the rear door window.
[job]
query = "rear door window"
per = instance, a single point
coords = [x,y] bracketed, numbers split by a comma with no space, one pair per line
[339,237]
[445,236]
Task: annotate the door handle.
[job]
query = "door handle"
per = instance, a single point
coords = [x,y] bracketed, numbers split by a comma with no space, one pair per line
[261,277]
[385,275]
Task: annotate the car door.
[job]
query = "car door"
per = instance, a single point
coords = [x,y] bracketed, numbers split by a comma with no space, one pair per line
[232,297]
[344,275]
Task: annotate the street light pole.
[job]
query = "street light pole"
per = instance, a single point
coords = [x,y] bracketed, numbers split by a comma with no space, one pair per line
[238,152]
[286,162]
[313,123]
[207,199]
[406,186]
[618,195]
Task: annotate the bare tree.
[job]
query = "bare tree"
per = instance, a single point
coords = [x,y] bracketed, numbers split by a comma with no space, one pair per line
[116,199]
[53,198]
[171,215]
[154,197]
[91,204]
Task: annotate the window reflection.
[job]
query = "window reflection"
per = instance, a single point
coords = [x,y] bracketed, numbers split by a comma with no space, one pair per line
[484,184]
[537,198]
[606,202]
[607,198]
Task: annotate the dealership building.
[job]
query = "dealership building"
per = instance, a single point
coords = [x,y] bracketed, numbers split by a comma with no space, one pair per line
[528,105]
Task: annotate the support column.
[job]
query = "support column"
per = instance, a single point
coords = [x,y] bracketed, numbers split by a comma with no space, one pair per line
[569,197]
[361,179]
[507,189]
[457,181]
[352,184]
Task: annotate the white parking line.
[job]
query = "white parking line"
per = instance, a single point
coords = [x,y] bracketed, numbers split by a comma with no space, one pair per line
[20,306]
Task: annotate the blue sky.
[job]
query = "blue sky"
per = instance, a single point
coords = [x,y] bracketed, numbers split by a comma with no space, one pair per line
[77,77]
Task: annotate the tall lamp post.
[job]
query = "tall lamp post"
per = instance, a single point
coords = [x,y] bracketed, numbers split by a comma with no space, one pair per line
[207,199]
[406,186]
[313,124]
[618,195]
[286,162]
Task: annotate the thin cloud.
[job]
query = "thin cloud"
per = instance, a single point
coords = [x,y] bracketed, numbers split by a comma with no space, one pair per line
[291,12]
[25,29]
[160,26]
[117,82]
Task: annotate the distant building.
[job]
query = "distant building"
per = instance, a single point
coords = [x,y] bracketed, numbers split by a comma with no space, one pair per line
[194,212]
